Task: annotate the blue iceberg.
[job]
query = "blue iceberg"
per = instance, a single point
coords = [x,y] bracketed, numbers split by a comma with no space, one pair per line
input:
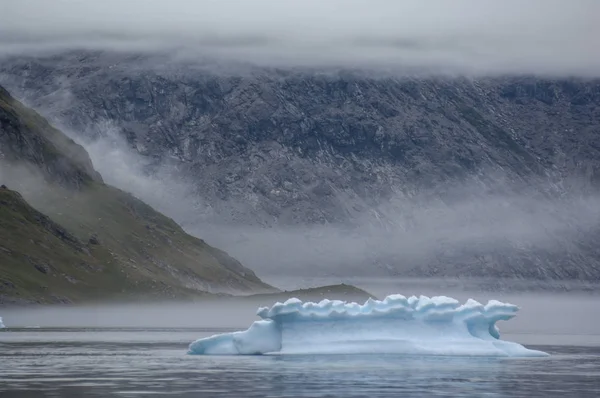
[395,325]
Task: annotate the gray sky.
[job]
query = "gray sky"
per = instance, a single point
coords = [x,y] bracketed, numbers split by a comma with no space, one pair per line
[536,36]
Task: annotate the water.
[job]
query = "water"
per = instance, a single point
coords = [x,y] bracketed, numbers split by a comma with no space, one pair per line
[122,351]
[128,362]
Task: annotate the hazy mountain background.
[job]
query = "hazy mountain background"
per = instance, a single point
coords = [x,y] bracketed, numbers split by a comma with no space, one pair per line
[345,138]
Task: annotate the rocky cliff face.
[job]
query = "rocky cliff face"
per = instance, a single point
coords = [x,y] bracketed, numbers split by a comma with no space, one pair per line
[281,148]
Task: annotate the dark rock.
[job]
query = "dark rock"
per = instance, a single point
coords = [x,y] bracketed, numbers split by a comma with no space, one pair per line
[60,299]
[8,284]
[43,268]
[94,240]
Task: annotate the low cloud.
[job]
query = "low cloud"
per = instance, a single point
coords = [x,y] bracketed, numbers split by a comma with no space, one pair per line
[474,36]
[397,235]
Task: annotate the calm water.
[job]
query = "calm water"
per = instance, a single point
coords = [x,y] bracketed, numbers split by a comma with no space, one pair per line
[122,362]
[117,351]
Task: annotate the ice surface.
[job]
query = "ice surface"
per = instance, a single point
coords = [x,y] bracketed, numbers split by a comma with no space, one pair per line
[415,325]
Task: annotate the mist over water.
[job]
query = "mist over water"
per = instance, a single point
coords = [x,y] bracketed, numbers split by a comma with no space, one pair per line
[543,318]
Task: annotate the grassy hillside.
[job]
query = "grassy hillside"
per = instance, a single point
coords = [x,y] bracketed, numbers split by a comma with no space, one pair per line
[92,241]
[39,258]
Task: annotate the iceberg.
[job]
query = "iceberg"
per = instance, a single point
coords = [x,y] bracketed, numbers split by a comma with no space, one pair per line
[396,325]
[1,324]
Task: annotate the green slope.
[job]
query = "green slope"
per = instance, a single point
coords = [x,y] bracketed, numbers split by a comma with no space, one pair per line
[95,242]
[39,258]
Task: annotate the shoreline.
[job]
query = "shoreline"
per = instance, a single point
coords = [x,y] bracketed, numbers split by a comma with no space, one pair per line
[340,291]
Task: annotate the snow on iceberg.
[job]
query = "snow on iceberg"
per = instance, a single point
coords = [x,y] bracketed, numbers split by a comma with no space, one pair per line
[396,325]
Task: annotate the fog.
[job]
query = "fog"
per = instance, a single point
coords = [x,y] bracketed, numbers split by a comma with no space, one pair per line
[467,36]
[421,233]
[474,36]
[396,236]
[399,234]
[544,318]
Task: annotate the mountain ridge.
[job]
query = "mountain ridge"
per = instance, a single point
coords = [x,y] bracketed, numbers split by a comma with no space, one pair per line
[94,240]
[408,175]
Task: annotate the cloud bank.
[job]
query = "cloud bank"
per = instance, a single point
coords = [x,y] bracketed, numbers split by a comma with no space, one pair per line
[395,236]
[554,37]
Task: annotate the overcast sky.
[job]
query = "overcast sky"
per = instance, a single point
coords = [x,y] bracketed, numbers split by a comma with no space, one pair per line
[539,36]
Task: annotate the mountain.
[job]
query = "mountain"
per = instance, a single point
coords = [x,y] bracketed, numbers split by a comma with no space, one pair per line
[346,171]
[71,237]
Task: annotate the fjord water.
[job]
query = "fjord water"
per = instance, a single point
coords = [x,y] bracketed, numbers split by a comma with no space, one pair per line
[137,362]
[141,351]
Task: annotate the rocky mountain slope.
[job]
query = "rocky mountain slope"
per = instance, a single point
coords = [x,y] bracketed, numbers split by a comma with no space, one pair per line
[416,175]
[93,241]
